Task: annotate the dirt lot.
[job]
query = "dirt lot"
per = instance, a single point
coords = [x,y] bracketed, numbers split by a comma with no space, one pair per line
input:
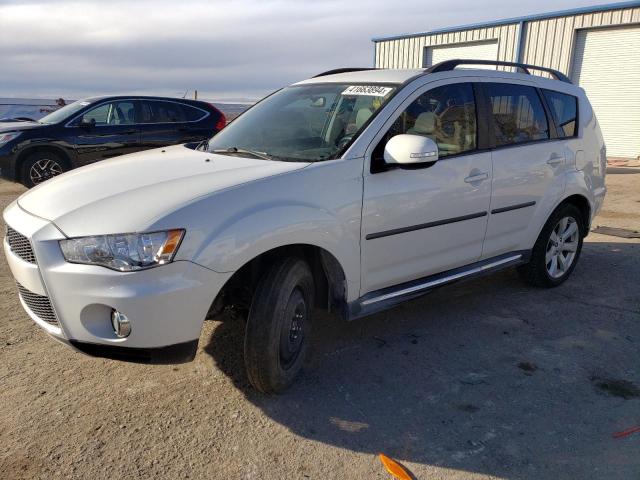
[488,379]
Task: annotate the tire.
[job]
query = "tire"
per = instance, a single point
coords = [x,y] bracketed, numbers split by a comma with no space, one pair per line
[41,166]
[546,267]
[278,325]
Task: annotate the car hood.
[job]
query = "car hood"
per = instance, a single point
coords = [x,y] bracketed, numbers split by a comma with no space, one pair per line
[132,192]
[15,126]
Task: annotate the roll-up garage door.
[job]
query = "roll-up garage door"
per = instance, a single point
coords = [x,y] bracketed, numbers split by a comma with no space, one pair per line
[607,65]
[476,50]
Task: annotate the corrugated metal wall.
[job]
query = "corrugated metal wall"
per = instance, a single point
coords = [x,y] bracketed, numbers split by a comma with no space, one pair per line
[550,42]
[547,42]
[409,52]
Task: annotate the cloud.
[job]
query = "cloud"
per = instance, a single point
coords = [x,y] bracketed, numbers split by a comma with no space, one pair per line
[223,48]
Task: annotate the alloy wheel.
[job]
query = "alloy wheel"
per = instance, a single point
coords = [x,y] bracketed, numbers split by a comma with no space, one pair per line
[44,169]
[562,247]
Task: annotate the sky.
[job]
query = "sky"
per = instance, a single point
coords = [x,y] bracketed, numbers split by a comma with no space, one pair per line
[228,50]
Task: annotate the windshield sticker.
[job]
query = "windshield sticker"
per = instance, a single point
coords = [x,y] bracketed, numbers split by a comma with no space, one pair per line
[369,90]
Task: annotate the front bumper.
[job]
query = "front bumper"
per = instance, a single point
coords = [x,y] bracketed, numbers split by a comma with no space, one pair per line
[166,305]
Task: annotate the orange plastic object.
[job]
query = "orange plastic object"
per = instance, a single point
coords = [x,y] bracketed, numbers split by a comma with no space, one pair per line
[394,468]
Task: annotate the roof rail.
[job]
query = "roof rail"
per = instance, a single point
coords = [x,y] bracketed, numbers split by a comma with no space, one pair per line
[343,70]
[448,65]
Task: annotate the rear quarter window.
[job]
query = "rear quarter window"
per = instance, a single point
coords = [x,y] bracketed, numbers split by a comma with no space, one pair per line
[564,110]
[193,114]
[157,111]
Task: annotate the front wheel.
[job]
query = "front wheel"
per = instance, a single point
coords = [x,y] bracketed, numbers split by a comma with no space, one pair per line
[278,325]
[556,252]
[41,166]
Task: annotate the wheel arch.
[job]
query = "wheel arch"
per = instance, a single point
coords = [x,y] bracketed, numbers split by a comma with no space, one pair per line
[31,149]
[328,274]
[582,204]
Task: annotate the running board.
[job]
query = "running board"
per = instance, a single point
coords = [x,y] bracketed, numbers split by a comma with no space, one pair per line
[385,298]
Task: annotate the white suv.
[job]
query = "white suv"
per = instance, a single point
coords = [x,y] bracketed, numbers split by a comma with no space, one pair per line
[351,191]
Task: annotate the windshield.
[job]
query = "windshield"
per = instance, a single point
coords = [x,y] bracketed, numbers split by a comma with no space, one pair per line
[64,112]
[302,123]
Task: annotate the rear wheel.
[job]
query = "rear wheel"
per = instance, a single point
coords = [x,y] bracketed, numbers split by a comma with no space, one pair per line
[278,325]
[41,166]
[556,252]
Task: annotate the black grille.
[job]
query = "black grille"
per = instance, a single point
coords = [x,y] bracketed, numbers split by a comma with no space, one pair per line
[20,245]
[39,305]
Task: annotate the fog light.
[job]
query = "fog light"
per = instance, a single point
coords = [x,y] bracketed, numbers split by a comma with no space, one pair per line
[120,323]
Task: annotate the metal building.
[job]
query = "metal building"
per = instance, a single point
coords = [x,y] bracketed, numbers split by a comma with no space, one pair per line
[597,47]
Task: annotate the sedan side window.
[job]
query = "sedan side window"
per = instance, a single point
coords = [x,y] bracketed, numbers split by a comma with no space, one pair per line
[518,114]
[113,113]
[445,114]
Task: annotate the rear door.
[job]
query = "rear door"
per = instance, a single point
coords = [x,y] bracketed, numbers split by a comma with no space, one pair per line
[529,161]
[105,131]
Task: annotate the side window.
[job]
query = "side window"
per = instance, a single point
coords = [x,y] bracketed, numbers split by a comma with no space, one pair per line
[445,114]
[146,112]
[166,112]
[518,114]
[192,114]
[564,109]
[113,113]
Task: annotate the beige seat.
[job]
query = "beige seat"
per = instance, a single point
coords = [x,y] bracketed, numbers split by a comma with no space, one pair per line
[425,125]
[362,116]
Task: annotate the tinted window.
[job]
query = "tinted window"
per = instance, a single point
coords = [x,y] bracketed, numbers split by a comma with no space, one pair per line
[162,112]
[445,114]
[564,109]
[518,114]
[112,113]
[192,114]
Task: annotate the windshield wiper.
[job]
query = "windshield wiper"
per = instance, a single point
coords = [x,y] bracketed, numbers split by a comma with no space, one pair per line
[226,151]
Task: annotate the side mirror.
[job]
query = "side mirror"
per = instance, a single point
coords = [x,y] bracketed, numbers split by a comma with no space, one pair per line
[87,123]
[410,150]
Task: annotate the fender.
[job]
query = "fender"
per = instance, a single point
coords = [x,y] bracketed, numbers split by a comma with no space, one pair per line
[279,211]
[30,145]
[576,184]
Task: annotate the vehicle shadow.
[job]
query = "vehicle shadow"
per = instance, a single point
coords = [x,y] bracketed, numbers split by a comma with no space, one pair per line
[490,376]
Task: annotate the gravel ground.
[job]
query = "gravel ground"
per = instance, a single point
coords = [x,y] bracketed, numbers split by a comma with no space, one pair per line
[486,379]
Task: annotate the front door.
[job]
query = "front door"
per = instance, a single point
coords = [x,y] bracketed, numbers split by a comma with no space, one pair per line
[418,222]
[106,131]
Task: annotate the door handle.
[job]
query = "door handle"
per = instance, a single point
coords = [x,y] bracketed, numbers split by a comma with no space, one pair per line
[130,132]
[478,177]
[555,159]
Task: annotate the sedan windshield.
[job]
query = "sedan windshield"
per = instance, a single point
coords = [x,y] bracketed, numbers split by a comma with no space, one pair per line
[64,112]
[303,123]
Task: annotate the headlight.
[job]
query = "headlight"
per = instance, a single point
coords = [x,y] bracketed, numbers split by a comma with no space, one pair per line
[126,252]
[7,137]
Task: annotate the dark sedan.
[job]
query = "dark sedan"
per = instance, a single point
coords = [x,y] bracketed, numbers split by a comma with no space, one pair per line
[94,129]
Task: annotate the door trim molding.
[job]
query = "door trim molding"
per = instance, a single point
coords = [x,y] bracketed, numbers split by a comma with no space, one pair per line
[421,226]
[512,207]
